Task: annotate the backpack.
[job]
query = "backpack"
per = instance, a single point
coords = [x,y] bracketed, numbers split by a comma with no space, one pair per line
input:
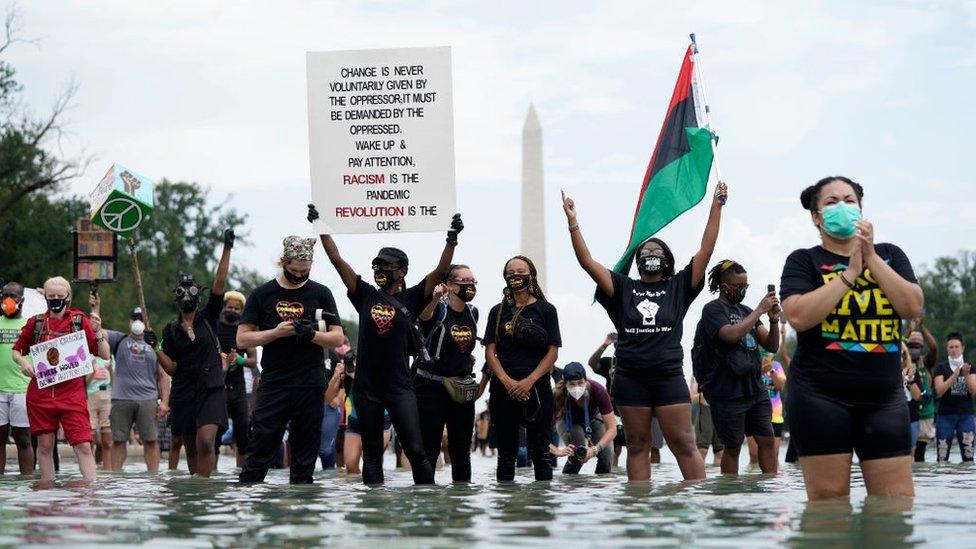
[76,325]
[702,361]
[441,315]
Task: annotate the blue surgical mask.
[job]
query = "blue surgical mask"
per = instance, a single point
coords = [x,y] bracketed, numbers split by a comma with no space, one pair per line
[839,220]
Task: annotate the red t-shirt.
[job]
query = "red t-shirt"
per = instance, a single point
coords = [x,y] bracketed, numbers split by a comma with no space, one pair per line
[52,328]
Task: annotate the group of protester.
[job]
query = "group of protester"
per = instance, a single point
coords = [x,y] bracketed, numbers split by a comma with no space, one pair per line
[845,388]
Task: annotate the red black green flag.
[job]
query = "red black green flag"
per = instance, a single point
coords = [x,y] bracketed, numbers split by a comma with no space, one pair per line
[677,175]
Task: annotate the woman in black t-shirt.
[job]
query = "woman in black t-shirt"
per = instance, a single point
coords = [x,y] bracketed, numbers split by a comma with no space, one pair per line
[450,323]
[846,298]
[648,313]
[521,346]
[387,339]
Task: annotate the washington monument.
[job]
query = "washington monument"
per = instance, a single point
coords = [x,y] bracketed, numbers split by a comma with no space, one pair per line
[533,216]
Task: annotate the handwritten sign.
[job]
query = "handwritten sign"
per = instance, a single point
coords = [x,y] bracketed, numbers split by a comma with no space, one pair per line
[61,359]
[381,140]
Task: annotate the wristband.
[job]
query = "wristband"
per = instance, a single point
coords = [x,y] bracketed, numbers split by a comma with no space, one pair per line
[843,279]
[574,227]
[600,446]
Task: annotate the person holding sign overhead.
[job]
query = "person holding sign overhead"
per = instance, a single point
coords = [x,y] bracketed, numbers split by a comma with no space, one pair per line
[648,313]
[846,298]
[388,336]
[63,404]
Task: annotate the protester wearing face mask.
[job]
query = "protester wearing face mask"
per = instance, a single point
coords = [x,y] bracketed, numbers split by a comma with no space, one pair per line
[584,420]
[234,362]
[64,404]
[648,314]
[295,320]
[13,383]
[446,387]
[913,391]
[846,298]
[955,386]
[923,351]
[140,384]
[728,366]
[522,343]
[190,352]
[99,384]
[388,337]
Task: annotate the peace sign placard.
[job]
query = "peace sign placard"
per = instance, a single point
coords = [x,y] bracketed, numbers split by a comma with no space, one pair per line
[121,201]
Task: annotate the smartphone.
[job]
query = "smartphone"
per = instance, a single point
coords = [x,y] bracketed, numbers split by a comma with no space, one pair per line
[771,288]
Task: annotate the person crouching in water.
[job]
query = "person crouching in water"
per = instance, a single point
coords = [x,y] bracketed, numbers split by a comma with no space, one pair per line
[730,334]
[584,420]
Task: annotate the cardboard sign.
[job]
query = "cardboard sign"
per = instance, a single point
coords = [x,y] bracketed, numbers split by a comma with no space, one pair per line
[61,359]
[121,200]
[381,140]
[96,253]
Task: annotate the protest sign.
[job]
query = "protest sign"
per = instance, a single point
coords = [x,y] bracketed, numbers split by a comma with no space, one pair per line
[121,200]
[61,359]
[95,253]
[381,140]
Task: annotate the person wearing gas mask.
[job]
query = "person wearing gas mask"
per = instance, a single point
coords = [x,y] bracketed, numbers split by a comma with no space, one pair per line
[190,353]
[584,420]
[446,388]
[13,383]
[235,361]
[140,389]
[295,320]
[522,343]
[64,404]
[955,387]
[729,370]
[388,337]
[648,314]
[846,298]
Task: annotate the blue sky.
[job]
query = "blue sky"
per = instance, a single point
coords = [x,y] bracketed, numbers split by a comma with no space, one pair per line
[206,92]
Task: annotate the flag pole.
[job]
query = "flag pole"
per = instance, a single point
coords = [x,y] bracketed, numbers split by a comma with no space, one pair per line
[708,110]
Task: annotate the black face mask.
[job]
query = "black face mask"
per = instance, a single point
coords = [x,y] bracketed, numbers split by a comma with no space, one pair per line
[915,353]
[232,317]
[518,282]
[467,292]
[293,278]
[735,295]
[57,305]
[652,264]
[384,279]
[188,304]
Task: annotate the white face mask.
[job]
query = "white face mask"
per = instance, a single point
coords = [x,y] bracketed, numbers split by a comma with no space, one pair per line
[577,392]
[138,327]
[955,363]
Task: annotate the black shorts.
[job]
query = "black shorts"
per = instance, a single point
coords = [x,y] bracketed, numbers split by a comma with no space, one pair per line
[737,418]
[352,425]
[821,426]
[648,389]
[778,430]
[209,408]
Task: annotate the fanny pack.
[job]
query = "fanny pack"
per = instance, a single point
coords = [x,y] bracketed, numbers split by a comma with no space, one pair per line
[461,389]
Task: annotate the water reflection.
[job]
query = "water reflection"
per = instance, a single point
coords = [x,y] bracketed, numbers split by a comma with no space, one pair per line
[174,509]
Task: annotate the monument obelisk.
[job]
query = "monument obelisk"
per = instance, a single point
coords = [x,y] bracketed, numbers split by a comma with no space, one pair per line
[533,217]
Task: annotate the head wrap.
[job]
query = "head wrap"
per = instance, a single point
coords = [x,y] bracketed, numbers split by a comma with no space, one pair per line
[298,248]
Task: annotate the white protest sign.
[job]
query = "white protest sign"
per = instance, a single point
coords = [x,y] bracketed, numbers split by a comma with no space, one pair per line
[381,140]
[61,359]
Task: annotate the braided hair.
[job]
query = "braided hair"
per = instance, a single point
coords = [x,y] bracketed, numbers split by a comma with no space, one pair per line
[509,299]
[718,272]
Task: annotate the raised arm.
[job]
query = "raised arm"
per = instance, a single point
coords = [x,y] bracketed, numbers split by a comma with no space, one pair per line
[599,273]
[223,267]
[594,361]
[700,263]
[933,348]
[428,313]
[447,255]
[346,272]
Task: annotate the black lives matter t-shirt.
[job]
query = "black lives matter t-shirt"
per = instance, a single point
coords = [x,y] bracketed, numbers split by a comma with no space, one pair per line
[738,369]
[197,361]
[451,342]
[286,361]
[520,356]
[648,317]
[853,355]
[385,339]
[957,399]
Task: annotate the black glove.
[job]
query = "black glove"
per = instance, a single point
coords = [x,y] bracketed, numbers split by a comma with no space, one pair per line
[313,214]
[150,338]
[229,238]
[456,227]
[304,329]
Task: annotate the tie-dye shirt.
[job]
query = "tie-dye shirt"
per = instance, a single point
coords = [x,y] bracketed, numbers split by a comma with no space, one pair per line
[774,394]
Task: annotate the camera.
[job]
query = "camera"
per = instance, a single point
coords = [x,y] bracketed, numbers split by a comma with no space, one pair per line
[579,453]
[320,315]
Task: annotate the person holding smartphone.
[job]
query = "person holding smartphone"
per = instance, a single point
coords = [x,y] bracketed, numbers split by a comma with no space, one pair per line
[730,334]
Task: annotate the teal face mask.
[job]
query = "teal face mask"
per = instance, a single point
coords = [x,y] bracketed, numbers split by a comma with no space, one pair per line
[839,220]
